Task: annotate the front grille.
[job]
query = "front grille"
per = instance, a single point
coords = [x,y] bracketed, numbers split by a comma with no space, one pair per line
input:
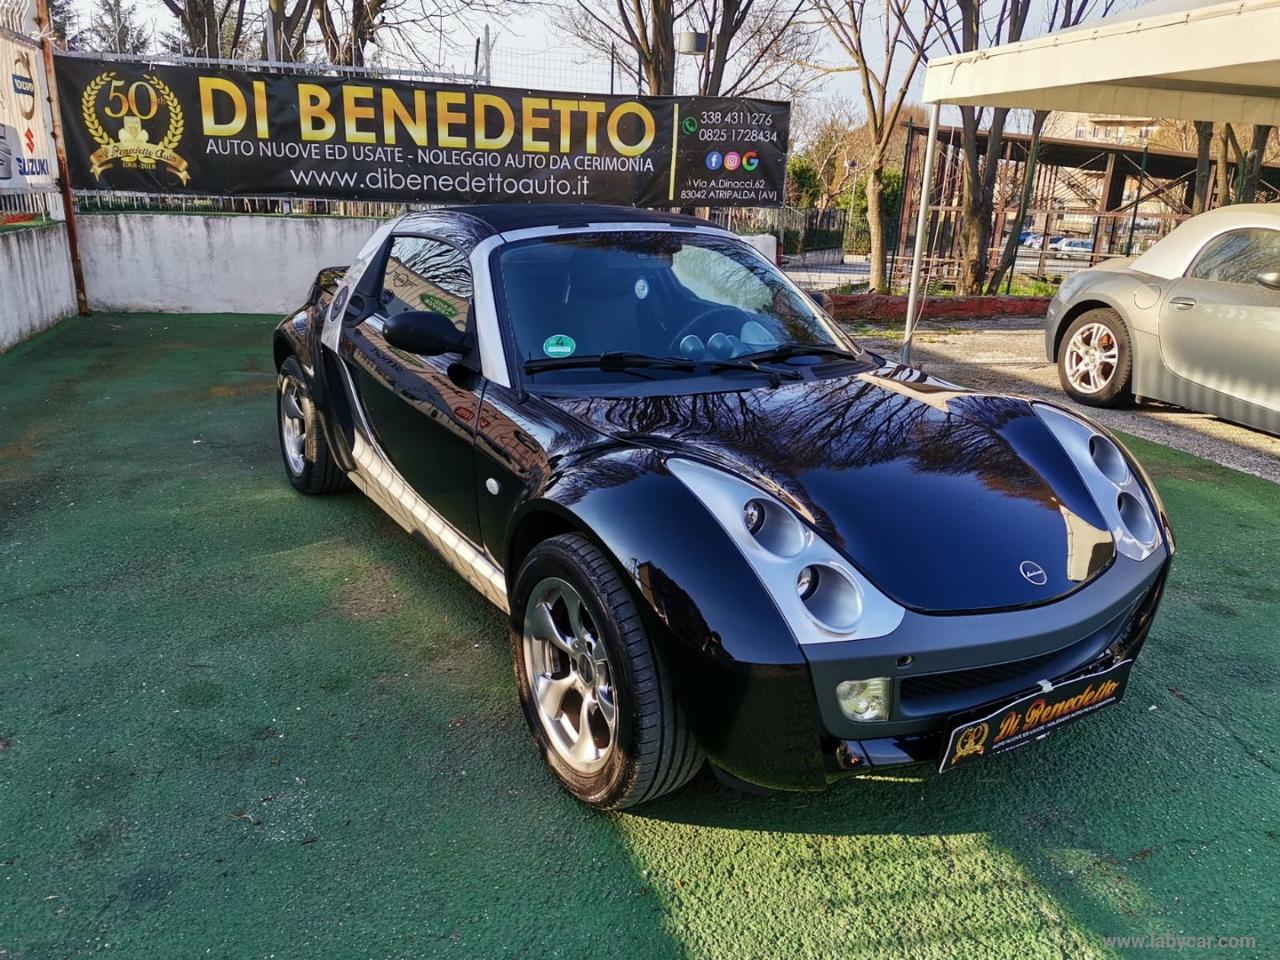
[936,684]
[925,690]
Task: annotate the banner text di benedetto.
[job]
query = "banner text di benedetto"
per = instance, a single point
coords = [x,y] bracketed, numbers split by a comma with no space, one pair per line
[178,128]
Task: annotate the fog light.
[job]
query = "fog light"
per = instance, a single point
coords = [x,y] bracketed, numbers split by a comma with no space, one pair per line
[865,699]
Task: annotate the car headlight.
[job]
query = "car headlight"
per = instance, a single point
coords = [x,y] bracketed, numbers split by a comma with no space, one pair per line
[819,593]
[865,700]
[1127,503]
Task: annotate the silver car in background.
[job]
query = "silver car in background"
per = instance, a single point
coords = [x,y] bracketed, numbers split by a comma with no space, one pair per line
[1194,321]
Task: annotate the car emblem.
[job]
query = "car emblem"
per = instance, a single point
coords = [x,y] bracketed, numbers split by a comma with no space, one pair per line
[1033,573]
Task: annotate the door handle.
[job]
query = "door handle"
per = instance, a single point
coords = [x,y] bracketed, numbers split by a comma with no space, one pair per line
[1182,303]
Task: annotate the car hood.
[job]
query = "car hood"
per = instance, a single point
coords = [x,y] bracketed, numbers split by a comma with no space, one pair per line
[948,500]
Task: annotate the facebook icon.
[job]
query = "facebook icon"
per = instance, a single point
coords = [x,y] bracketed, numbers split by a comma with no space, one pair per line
[714,160]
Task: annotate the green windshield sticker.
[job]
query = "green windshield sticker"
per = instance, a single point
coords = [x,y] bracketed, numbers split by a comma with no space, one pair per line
[558,345]
[438,304]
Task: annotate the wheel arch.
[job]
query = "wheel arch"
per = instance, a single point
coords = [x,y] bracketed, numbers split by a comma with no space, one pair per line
[735,666]
[1076,310]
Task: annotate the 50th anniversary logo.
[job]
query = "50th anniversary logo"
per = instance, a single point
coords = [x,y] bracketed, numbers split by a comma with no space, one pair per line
[152,128]
[108,99]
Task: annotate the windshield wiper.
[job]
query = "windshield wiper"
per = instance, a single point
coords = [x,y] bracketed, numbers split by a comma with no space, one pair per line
[786,351]
[623,361]
[613,361]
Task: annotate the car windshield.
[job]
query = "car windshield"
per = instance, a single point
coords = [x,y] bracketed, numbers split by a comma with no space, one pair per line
[651,296]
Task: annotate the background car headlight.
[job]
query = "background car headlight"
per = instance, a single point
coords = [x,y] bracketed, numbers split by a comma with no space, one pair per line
[1126,504]
[821,595]
[865,699]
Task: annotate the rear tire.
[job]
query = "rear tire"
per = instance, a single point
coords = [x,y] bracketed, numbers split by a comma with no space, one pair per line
[1095,361]
[308,462]
[580,651]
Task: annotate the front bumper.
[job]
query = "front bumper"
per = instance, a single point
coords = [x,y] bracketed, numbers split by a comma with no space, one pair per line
[949,669]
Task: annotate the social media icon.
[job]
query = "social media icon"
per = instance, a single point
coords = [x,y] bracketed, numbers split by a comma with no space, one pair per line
[732,160]
[689,124]
[714,160]
[750,161]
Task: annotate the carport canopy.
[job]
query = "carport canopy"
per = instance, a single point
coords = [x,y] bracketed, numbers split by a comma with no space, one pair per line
[1178,59]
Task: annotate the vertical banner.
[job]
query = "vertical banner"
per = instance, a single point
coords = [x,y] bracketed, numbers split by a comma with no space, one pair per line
[25,163]
[172,129]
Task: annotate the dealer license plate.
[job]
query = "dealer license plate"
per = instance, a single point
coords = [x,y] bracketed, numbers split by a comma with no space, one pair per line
[1034,717]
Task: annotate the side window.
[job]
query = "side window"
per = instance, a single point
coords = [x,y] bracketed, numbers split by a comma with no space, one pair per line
[425,274]
[1238,256]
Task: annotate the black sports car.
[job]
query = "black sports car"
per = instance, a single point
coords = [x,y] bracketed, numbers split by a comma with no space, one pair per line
[722,530]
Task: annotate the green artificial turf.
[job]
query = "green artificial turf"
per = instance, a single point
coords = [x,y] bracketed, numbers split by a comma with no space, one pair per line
[239,722]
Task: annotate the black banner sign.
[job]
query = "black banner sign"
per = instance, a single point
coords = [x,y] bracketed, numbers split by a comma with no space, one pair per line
[175,129]
[1035,716]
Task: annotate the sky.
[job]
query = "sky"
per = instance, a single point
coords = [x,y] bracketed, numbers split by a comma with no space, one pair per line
[530,50]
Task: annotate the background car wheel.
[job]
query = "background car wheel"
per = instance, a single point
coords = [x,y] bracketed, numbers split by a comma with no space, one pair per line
[593,690]
[1095,361]
[307,461]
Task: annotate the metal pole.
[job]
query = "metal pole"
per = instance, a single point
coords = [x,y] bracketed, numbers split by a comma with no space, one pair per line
[488,55]
[1137,199]
[1024,201]
[922,222]
[273,53]
[64,176]
[902,207]
[613,59]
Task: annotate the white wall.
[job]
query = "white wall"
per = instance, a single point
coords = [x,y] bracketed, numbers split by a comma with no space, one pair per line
[764,242]
[36,286]
[174,263]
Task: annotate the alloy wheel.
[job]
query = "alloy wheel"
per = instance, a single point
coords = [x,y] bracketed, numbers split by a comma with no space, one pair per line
[1092,357]
[293,425]
[570,676]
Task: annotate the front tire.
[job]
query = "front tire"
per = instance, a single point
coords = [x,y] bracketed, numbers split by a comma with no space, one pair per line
[308,463]
[1095,363]
[594,692]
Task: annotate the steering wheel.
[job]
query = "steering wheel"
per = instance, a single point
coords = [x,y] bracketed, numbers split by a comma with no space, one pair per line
[699,321]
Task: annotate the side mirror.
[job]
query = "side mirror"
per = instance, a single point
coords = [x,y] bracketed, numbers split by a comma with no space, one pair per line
[425,333]
[1269,278]
[823,301]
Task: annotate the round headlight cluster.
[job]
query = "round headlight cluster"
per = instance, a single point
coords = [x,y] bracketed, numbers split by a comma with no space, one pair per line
[830,596]
[774,527]
[1137,518]
[1108,459]
[1111,482]
[822,596]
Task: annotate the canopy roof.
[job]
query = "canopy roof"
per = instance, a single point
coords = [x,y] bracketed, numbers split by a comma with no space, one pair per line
[1170,58]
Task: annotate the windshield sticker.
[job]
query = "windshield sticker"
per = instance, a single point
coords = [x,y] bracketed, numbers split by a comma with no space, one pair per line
[642,288]
[438,304]
[558,345]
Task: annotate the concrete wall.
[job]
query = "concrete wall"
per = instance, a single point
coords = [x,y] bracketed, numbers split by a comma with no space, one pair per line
[175,263]
[36,286]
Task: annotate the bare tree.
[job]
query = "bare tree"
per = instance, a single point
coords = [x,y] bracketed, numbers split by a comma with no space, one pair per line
[1204,142]
[886,43]
[836,144]
[965,26]
[753,44]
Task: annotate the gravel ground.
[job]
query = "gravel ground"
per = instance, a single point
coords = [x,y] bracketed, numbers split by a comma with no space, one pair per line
[1008,356]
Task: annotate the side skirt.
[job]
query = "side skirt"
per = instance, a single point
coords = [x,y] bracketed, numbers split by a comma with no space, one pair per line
[384,486]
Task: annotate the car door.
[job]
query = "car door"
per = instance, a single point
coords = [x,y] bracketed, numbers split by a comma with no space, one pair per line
[1220,327]
[421,410]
